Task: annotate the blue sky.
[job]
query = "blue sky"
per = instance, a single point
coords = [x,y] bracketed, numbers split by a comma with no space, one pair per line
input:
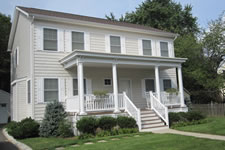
[205,10]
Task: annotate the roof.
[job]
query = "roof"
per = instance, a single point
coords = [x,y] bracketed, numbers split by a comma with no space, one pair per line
[35,11]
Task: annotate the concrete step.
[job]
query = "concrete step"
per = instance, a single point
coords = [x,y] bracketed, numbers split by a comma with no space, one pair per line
[147,112]
[148,115]
[152,125]
[150,118]
[151,121]
[154,128]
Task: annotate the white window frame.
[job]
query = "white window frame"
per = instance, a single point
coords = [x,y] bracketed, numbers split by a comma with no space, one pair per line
[168,48]
[77,85]
[107,79]
[142,48]
[48,27]
[30,91]
[71,34]
[44,88]
[121,49]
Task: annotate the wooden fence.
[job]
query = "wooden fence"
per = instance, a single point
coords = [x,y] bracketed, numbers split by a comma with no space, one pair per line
[212,109]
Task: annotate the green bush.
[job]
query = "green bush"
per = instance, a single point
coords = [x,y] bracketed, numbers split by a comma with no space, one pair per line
[54,114]
[126,122]
[27,128]
[85,136]
[194,115]
[194,122]
[65,129]
[103,133]
[87,125]
[106,122]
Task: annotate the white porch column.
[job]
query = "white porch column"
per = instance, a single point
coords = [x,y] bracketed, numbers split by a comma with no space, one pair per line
[115,88]
[80,79]
[181,88]
[157,82]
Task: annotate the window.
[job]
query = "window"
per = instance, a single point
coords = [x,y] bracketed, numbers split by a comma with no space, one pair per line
[77,40]
[115,44]
[164,49]
[166,84]
[107,82]
[3,105]
[50,39]
[75,87]
[51,90]
[149,85]
[16,57]
[147,48]
[28,92]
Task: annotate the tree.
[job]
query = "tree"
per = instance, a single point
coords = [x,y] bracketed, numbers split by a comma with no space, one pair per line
[162,14]
[5,26]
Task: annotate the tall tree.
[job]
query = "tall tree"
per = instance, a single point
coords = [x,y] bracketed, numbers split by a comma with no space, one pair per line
[162,14]
[5,26]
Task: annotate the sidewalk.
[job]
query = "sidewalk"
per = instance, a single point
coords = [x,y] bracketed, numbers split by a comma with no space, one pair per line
[199,135]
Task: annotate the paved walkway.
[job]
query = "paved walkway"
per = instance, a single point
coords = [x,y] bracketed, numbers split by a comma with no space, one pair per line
[199,135]
[4,144]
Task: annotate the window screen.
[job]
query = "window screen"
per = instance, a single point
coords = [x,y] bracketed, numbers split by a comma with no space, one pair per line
[115,44]
[50,39]
[147,49]
[51,92]
[77,40]
[166,84]
[149,85]
[75,87]
[164,49]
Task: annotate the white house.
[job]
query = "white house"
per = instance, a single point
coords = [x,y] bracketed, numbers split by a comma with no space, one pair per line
[4,106]
[67,57]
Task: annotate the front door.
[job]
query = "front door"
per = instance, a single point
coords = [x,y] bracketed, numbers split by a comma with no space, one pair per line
[125,86]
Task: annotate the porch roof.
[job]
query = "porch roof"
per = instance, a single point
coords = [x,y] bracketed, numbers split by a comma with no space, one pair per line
[109,58]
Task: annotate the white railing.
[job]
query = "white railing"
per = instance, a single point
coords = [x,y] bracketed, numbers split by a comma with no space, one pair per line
[132,110]
[97,103]
[170,99]
[159,108]
[72,104]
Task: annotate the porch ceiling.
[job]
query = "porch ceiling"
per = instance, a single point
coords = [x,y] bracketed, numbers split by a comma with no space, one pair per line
[123,60]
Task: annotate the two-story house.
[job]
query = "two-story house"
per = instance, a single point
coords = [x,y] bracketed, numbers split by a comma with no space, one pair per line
[67,57]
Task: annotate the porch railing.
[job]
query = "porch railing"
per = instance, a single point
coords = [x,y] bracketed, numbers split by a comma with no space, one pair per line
[132,110]
[97,103]
[72,104]
[158,107]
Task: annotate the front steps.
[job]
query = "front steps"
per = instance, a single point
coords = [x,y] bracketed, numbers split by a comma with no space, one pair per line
[150,121]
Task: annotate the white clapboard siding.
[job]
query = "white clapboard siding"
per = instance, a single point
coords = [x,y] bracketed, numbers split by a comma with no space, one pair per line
[107,43]
[69,87]
[123,45]
[68,41]
[140,48]
[62,89]
[131,46]
[97,42]
[89,86]
[87,41]
[38,38]
[40,90]
[60,40]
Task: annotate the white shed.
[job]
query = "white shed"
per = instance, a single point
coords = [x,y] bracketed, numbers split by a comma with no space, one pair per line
[4,106]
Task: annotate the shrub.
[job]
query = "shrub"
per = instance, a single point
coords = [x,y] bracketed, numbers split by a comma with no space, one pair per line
[100,93]
[27,128]
[126,122]
[103,133]
[106,122]
[85,136]
[87,125]
[194,115]
[194,122]
[54,114]
[65,128]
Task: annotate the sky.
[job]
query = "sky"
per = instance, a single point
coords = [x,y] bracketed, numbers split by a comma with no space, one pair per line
[204,10]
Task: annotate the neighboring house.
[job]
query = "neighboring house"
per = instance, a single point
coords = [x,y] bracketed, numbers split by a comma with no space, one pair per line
[67,57]
[4,106]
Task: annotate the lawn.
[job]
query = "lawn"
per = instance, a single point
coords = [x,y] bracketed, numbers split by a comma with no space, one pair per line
[131,142]
[215,125]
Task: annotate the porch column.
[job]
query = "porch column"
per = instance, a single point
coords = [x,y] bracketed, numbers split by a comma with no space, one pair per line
[80,79]
[115,88]
[157,82]
[181,88]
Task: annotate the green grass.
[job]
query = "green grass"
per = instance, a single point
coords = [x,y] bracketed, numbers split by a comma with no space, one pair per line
[215,125]
[146,141]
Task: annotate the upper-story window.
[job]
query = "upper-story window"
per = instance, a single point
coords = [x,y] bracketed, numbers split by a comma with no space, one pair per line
[78,40]
[164,49]
[50,39]
[147,48]
[115,44]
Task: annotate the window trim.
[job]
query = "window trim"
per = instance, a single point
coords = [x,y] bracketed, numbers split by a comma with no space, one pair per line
[43,48]
[163,83]
[107,79]
[160,48]
[16,57]
[77,86]
[120,43]
[27,98]
[142,47]
[44,88]
[71,33]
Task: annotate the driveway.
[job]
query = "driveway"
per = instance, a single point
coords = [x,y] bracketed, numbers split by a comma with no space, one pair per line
[4,144]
